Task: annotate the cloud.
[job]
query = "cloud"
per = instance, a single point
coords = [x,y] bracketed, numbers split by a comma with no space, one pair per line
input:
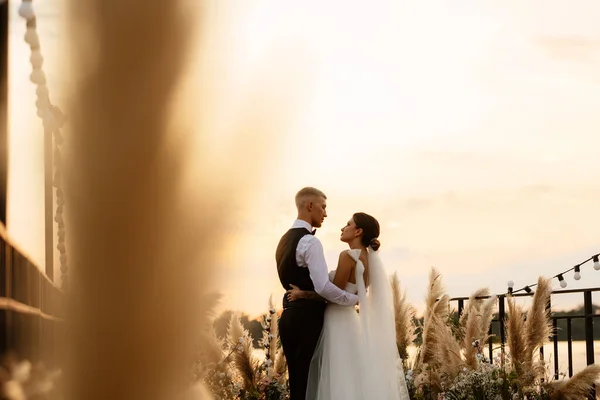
[472,232]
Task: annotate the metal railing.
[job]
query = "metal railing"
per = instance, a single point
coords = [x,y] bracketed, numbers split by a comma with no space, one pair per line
[30,308]
[588,317]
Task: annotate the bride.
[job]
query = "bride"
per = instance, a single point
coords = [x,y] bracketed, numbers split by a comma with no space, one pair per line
[357,357]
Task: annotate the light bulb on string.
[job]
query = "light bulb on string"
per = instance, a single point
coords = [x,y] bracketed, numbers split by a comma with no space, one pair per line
[510,285]
[561,279]
[596,263]
[577,274]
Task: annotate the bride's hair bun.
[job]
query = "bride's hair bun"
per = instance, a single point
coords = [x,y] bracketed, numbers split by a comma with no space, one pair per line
[375,244]
[370,228]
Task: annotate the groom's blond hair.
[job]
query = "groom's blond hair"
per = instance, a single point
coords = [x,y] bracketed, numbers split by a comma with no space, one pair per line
[307,193]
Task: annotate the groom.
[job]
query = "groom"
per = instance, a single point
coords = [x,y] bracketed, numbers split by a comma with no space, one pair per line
[301,262]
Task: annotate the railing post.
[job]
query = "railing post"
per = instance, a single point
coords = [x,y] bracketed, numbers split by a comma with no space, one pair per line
[548,307]
[554,337]
[569,347]
[490,344]
[555,341]
[501,316]
[589,327]
[461,307]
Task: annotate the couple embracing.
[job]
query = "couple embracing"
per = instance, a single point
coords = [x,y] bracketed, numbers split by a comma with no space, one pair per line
[333,352]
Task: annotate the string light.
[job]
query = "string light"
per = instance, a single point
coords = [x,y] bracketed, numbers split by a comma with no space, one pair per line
[577,274]
[561,279]
[510,285]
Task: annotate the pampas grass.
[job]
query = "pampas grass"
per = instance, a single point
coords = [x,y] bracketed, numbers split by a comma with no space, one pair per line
[147,203]
[243,361]
[436,310]
[404,314]
[475,324]
[451,370]
[473,305]
[485,318]
[210,352]
[538,327]
[445,351]
[280,366]
[477,316]
[238,373]
[526,336]
[210,347]
[579,386]
[139,258]
[440,354]
[515,336]
[469,324]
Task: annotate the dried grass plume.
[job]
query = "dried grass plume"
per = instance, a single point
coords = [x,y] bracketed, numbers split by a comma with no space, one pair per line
[579,386]
[440,348]
[404,314]
[144,208]
[525,335]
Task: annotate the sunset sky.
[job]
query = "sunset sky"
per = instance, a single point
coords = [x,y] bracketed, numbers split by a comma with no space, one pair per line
[469,129]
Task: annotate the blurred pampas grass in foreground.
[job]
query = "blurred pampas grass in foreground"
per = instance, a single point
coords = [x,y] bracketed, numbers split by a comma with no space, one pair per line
[147,206]
[139,258]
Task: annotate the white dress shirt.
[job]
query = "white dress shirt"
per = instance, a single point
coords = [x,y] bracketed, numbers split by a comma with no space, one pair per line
[309,254]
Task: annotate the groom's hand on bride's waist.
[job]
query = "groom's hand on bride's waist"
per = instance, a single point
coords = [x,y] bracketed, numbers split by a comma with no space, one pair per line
[295,293]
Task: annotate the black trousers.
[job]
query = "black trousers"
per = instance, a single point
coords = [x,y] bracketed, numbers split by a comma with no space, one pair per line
[299,330]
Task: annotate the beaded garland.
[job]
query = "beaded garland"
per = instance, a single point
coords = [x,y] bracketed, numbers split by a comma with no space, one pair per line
[52,120]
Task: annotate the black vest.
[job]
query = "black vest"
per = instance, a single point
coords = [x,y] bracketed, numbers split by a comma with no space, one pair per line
[290,272]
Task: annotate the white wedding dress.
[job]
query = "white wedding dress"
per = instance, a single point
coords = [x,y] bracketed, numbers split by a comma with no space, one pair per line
[356,357]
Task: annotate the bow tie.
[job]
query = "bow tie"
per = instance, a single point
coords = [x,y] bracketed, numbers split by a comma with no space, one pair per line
[313,232]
